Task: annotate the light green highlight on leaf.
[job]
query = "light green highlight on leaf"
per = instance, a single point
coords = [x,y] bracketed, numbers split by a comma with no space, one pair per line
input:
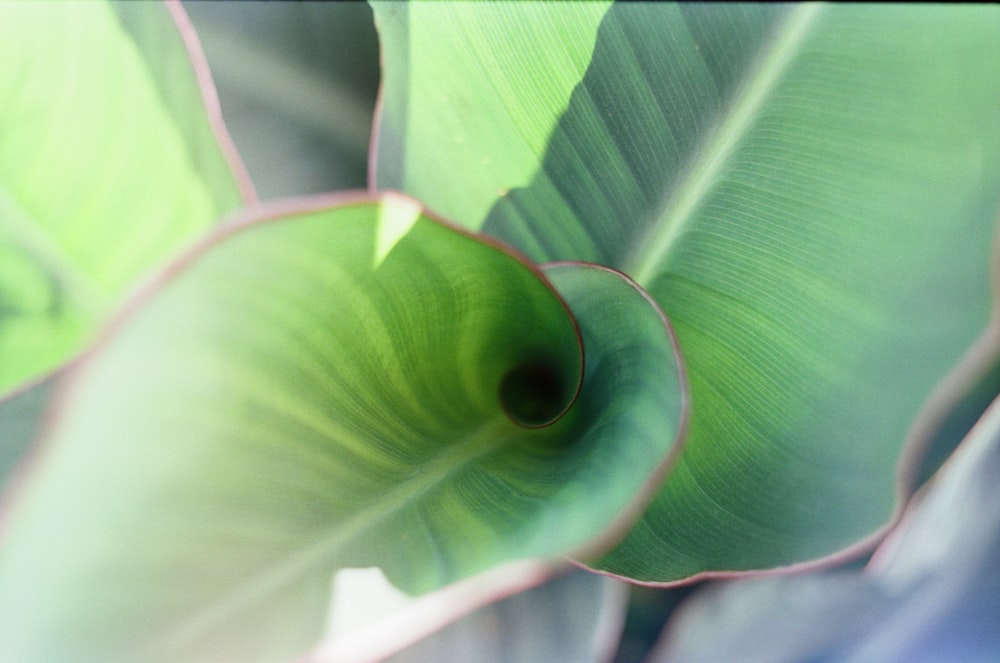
[393,223]
[100,177]
[515,78]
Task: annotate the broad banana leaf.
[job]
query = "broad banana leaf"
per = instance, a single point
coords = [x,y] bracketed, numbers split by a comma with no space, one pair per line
[808,191]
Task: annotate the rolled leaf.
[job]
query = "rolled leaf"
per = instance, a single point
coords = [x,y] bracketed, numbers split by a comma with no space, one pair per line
[326,387]
[808,191]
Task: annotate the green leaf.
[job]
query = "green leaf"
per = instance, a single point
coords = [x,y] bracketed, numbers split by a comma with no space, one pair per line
[516,63]
[931,592]
[322,388]
[108,163]
[808,192]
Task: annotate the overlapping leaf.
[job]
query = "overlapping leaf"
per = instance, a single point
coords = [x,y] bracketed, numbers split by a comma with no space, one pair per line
[329,387]
[108,163]
[808,191]
[486,98]
[930,593]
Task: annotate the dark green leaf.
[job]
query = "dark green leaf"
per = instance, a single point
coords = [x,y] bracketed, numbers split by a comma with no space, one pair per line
[809,193]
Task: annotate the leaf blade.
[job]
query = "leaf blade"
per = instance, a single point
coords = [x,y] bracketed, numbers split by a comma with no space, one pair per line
[928,594]
[116,160]
[812,208]
[509,40]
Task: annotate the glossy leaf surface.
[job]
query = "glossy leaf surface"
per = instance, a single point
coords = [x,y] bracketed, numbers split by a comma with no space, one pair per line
[808,191]
[108,163]
[320,388]
[930,593]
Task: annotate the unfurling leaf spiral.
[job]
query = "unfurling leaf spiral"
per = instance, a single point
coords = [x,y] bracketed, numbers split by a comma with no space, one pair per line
[343,382]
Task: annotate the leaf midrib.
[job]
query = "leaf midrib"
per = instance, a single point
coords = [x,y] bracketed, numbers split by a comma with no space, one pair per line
[712,155]
[293,567]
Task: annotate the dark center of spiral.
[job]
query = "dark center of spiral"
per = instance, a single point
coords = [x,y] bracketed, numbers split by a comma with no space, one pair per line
[533,394]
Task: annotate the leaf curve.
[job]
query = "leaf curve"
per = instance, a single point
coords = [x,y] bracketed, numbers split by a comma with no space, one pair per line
[319,388]
[108,163]
[809,193]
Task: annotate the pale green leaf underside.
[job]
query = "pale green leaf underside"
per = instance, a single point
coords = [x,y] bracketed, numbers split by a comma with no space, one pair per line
[296,399]
[108,163]
[809,192]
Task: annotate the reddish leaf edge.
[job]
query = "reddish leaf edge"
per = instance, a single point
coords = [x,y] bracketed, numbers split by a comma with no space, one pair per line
[379,110]
[619,527]
[210,101]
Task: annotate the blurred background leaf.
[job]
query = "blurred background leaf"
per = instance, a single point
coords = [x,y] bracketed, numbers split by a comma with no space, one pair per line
[576,618]
[21,414]
[931,593]
[101,175]
[297,82]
